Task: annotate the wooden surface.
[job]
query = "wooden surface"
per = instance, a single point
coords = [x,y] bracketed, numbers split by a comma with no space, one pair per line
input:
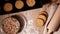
[29,14]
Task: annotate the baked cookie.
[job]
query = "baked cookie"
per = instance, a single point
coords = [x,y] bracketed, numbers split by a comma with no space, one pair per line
[19,4]
[43,17]
[38,22]
[43,13]
[30,3]
[8,7]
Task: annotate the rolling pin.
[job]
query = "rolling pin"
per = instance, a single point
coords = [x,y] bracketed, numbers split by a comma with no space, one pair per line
[54,23]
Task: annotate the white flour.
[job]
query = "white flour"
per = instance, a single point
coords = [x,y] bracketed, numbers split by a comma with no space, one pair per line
[30,28]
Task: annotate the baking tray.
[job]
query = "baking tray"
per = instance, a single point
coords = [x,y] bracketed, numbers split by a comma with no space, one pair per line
[39,3]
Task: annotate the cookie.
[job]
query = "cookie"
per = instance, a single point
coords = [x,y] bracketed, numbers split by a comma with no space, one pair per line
[43,17]
[39,23]
[43,13]
[8,7]
[30,3]
[19,4]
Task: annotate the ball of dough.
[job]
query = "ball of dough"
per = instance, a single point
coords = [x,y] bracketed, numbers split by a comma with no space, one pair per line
[19,4]
[8,7]
[30,3]
[10,25]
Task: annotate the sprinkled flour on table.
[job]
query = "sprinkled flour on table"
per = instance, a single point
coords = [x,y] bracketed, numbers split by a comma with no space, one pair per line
[30,29]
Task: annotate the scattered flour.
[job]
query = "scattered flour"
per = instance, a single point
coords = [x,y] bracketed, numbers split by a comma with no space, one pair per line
[30,29]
